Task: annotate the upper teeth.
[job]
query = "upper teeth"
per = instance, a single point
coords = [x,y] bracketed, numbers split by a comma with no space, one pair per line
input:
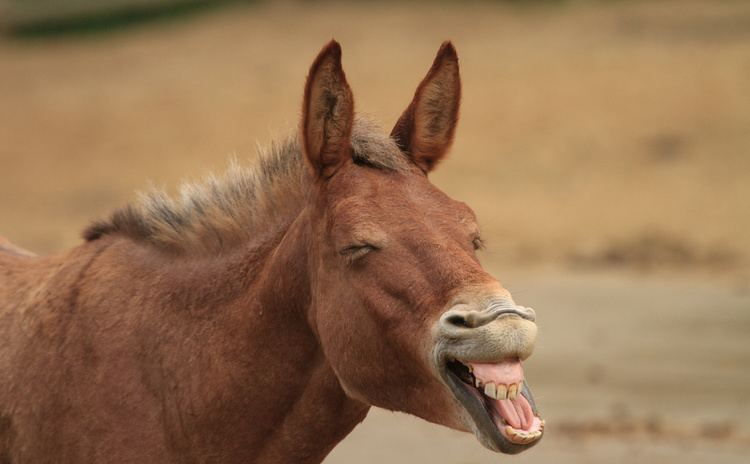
[500,391]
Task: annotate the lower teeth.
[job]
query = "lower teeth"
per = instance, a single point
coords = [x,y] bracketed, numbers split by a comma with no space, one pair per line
[521,436]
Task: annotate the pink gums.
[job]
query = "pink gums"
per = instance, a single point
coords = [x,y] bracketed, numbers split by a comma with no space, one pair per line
[507,372]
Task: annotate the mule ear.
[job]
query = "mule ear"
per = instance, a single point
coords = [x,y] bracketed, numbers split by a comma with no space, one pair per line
[425,130]
[327,112]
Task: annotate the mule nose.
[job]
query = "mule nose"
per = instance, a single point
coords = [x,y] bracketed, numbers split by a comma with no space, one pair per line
[464,316]
[487,329]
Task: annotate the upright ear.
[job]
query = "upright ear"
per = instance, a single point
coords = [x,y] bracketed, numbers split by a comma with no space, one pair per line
[327,112]
[425,130]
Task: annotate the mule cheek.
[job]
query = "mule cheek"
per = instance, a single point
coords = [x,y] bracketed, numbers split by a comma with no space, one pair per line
[378,368]
[352,344]
[380,352]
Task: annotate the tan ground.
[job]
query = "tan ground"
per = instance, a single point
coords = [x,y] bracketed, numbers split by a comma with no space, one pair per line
[593,137]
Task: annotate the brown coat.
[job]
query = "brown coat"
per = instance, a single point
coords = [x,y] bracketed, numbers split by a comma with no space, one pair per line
[260,318]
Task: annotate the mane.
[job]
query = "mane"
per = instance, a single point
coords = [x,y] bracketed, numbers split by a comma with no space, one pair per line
[221,212]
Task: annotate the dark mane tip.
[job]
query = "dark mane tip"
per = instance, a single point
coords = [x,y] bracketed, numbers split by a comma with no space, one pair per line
[222,211]
[96,230]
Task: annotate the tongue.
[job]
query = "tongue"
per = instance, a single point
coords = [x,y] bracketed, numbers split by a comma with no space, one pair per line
[515,412]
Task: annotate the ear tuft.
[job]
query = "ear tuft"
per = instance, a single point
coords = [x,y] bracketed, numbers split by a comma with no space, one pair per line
[327,112]
[425,130]
[446,51]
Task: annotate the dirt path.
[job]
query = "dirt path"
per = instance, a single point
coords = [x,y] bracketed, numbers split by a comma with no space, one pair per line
[653,369]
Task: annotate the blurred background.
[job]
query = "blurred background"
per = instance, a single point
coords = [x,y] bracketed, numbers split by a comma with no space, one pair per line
[605,146]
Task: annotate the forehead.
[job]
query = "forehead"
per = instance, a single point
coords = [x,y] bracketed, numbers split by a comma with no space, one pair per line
[363,196]
[381,186]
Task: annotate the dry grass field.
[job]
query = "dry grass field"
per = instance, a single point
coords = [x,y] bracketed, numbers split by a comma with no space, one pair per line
[605,147]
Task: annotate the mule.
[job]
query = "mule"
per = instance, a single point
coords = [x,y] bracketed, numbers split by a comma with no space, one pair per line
[258,317]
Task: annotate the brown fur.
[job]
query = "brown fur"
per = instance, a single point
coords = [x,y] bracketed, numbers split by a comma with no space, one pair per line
[269,350]
[328,112]
[426,128]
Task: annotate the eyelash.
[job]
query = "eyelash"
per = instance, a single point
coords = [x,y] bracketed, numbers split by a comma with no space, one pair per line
[355,252]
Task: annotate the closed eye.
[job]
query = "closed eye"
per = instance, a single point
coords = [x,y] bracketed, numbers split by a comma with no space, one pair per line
[354,252]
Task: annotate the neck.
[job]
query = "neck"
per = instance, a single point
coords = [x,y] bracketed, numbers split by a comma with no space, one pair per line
[274,396]
[312,411]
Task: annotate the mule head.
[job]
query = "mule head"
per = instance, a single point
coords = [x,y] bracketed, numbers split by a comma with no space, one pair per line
[406,315]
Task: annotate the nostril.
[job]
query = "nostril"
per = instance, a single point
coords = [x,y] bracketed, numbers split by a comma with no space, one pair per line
[462,319]
[458,320]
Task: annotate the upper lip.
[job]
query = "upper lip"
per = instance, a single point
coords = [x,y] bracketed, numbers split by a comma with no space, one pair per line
[485,429]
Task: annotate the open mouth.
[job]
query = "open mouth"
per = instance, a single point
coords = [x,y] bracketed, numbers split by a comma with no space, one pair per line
[498,399]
